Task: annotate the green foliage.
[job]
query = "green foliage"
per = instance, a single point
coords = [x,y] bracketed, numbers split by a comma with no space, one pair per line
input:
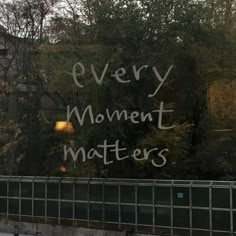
[197,37]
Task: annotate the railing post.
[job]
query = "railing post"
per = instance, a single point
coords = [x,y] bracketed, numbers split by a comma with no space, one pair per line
[231,210]
[210,207]
[172,208]
[88,205]
[190,209]
[119,200]
[153,208]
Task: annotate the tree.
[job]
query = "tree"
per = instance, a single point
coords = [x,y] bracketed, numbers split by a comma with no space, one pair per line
[197,37]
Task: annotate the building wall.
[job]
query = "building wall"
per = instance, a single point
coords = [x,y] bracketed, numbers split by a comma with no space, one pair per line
[8,56]
[222,103]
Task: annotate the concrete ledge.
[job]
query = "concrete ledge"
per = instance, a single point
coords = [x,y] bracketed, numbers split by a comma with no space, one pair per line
[61,230]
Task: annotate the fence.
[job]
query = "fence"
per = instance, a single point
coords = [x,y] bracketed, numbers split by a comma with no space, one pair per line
[173,207]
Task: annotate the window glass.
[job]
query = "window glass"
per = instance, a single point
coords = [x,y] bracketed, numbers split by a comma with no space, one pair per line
[145,195]
[52,190]
[66,191]
[26,190]
[162,195]
[181,196]
[3,52]
[13,189]
[66,210]
[119,107]
[26,207]
[13,206]
[52,209]
[163,216]
[234,198]
[81,211]
[96,212]
[3,188]
[81,192]
[111,213]
[118,89]
[181,217]
[221,220]
[96,192]
[3,205]
[234,220]
[200,219]
[127,194]
[200,197]
[39,208]
[220,198]
[111,193]
[145,215]
[39,190]
[127,214]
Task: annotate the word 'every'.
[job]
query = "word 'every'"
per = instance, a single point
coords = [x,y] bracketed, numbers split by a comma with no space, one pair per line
[78,71]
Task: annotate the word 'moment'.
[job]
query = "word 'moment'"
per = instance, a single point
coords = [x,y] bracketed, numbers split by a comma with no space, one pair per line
[78,71]
[105,150]
[134,117]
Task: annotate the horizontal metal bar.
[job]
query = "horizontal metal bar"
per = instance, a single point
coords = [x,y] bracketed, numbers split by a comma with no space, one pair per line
[118,181]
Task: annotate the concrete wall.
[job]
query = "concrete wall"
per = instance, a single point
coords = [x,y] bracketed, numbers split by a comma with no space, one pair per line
[59,230]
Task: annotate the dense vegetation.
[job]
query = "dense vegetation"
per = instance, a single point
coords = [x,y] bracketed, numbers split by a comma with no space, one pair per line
[196,36]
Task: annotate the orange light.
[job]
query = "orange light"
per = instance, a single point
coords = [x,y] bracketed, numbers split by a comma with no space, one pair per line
[64,126]
[63,169]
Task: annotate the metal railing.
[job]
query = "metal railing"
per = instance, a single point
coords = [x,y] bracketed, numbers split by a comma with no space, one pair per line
[156,206]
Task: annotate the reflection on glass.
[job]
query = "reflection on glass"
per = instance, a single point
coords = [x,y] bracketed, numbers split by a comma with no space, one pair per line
[39,208]
[52,209]
[13,206]
[39,190]
[200,197]
[64,126]
[81,211]
[181,196]
[145,215]
[13,189]
[111,213]
[127,194]
[127,214]
[162,195]
[52,190]
[3,188]
[26,190]
[81,192]
[96,192]
[26,207]
[66,210]
[66,191]
[181,217]
[200,219]
[162,216]
[145,194]
[96,212]
[221,220]
[3,205]
[220,198]
[111,193]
